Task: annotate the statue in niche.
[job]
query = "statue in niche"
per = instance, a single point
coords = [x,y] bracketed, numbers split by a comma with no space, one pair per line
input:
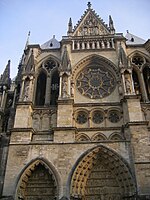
[65,87]
[137,88]
[120,88]
[128,84]
[26,92]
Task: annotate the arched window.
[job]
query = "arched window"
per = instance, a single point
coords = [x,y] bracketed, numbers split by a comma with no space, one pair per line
[54,88]
[40,89]
[146,75]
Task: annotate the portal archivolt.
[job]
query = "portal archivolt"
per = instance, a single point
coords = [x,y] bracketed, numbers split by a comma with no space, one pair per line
[37,182]
[102,175]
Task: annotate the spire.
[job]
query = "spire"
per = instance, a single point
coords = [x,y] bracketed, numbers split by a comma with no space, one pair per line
[5,77]
[70,26]
[111,25]
[27,42]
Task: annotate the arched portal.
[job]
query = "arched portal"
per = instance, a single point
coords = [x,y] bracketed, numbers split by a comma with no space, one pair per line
[102,175]
[37,183]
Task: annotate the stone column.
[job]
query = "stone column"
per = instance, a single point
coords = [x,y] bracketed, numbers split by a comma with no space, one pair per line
[98,45]
[78,45]
[3,97]
[22,89]
[103,45]
[88,45]
[13,105]
[60,86]
[93,45]
[112,43]
[73,45]
[69,86]
[48,90]
[108,44]
[83,46]
[132,84]
[123,80]
[143,89]
[30,89]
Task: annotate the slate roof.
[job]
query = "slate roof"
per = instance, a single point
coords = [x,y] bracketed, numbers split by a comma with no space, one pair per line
[51,44]
[133,39]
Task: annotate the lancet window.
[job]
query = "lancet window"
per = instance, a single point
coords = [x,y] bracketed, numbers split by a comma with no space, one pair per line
[47,87]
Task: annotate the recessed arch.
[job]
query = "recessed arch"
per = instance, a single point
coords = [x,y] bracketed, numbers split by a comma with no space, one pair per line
[115,136]
[82,137]
[138,53]
[43,60]
[39,179]
[106,164]
[98,137]
[96,59]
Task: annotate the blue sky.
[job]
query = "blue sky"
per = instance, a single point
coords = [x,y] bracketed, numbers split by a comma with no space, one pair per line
[45,18]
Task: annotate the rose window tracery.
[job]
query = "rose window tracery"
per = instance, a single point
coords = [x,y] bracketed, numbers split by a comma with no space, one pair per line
[138,60]
[81,117]
[95,82]
[114,116]
[98,117]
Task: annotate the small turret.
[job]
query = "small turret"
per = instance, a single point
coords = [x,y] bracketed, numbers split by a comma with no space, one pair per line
[70,27]
[111,25]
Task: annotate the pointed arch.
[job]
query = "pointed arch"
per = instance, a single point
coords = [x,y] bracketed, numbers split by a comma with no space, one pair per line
[115,136]
[98,137]
[81,137]
[109,165]
[95,59]
[137,52]
[38,178]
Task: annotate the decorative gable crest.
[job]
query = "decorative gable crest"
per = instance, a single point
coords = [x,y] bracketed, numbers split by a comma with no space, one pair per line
[90,24]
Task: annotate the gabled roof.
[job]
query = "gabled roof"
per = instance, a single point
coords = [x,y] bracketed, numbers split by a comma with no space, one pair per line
[90,24]
[133,39]
[51,44]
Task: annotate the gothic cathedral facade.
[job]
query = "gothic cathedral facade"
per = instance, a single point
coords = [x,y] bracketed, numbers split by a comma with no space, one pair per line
[75,120]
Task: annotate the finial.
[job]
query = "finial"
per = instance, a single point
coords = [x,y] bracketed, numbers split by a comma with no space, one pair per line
[127,31]
[53,36]
[89,5]
[111,25]
[70,22]
[70,26]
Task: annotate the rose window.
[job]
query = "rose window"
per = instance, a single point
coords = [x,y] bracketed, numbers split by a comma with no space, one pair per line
[114,116]
[81,117]
[98,117]
[95,82]
[137,60]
